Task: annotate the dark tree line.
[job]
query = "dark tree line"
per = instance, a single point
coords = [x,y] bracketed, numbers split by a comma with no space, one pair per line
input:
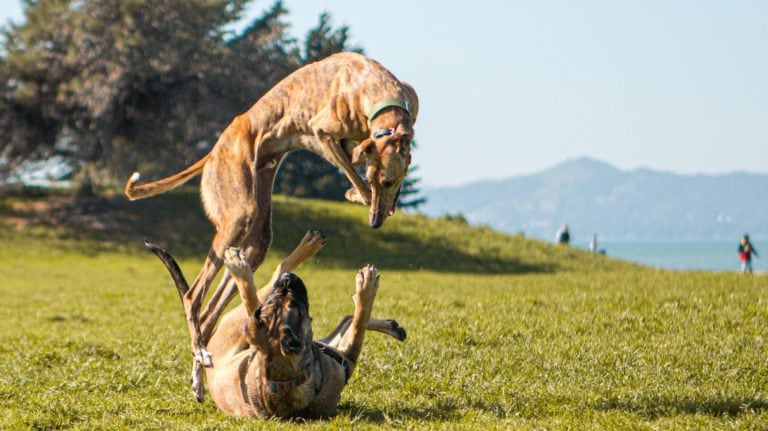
[120,85]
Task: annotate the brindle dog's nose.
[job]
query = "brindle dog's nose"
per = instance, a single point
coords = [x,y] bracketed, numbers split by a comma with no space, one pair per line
[376,221]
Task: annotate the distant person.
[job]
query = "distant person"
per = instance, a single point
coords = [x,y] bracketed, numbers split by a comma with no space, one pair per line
[746,250]
[563,235]
[593,243]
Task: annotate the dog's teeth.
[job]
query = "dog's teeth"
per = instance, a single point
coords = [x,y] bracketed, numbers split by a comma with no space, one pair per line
[134,177]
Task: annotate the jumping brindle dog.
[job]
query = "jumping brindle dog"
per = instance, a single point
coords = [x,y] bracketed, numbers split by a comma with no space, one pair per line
[347,108]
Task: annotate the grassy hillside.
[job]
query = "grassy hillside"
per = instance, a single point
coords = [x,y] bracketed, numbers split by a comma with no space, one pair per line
[407,242]
[503,332]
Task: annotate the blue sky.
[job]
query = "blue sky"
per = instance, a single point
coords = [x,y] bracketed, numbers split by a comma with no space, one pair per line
[512,87]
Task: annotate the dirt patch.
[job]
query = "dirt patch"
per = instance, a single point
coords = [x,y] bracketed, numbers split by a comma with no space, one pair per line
[94,214]
[175,219]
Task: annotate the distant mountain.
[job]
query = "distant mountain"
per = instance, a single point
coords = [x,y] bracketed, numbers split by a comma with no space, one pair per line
[592,196]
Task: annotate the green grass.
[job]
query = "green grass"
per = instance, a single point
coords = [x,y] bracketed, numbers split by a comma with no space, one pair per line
[503,332]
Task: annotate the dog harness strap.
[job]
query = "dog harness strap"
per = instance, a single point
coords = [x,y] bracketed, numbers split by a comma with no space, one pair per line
[338,358]
[386,103]
[289,385]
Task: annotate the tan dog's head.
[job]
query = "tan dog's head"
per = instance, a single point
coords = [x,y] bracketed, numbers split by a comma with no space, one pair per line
[387,155]
[282,325]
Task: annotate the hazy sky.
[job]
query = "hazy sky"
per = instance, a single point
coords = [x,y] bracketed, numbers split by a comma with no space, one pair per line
[512,87]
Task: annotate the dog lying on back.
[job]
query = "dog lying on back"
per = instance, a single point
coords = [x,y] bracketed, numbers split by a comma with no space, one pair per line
[347,108]
[267,364]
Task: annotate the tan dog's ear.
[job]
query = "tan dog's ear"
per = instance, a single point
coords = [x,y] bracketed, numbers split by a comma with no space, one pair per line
[254,330]
[359,151]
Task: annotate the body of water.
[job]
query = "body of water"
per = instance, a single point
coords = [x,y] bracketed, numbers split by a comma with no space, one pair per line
[717,255]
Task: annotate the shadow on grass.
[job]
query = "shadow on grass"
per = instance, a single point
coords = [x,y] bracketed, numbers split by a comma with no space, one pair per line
[375,415]
[656,407]
[176,222]
[351,243]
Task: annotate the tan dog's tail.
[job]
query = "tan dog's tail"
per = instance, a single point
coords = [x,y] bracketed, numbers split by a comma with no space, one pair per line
[135,192]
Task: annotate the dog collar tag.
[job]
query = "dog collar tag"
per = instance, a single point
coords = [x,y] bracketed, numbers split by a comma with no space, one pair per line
[383,132]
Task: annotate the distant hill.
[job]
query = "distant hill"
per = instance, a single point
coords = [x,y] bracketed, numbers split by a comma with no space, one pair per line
[592,196]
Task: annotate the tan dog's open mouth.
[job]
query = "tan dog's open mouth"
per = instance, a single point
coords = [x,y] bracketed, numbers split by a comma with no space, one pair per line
[290,343]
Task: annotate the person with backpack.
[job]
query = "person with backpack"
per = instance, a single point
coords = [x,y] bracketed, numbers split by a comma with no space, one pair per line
[746,250]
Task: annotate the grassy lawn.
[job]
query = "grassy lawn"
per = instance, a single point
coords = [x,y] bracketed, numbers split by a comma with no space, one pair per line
[503,332]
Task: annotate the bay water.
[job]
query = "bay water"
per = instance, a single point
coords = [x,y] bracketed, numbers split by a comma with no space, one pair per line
[712,255]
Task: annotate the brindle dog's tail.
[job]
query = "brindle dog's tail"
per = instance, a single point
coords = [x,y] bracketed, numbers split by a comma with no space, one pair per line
[135,192]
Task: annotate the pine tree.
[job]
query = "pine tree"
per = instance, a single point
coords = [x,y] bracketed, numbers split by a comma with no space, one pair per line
[116,85]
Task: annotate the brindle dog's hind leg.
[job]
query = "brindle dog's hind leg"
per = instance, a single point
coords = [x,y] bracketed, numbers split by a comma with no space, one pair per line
[229,194]
[183,289]
[193,298]
[217,296]
[254,245]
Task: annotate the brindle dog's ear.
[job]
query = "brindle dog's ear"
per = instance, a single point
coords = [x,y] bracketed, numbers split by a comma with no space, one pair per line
[361,150]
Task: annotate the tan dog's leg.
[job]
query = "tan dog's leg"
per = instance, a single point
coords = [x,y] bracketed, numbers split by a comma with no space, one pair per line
[242,274]
[312,242]
[385,326]
[351,343]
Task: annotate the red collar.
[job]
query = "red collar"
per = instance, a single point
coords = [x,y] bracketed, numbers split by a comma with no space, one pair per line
[289,385]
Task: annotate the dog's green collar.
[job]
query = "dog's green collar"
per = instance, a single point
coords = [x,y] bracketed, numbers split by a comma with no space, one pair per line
[386,103]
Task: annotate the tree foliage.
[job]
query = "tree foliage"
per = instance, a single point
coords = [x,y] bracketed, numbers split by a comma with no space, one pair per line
[125,83]
[119,85]
[409,190]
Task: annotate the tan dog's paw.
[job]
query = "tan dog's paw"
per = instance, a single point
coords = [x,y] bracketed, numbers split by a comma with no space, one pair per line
[313,241]
[395,330]
[367,281]
[235,261]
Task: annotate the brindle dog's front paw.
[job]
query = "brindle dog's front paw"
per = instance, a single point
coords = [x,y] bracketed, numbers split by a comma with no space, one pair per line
[235,261]
[353,196]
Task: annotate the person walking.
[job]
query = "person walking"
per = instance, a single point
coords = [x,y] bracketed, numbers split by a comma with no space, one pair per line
[563,235]
[746,250]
